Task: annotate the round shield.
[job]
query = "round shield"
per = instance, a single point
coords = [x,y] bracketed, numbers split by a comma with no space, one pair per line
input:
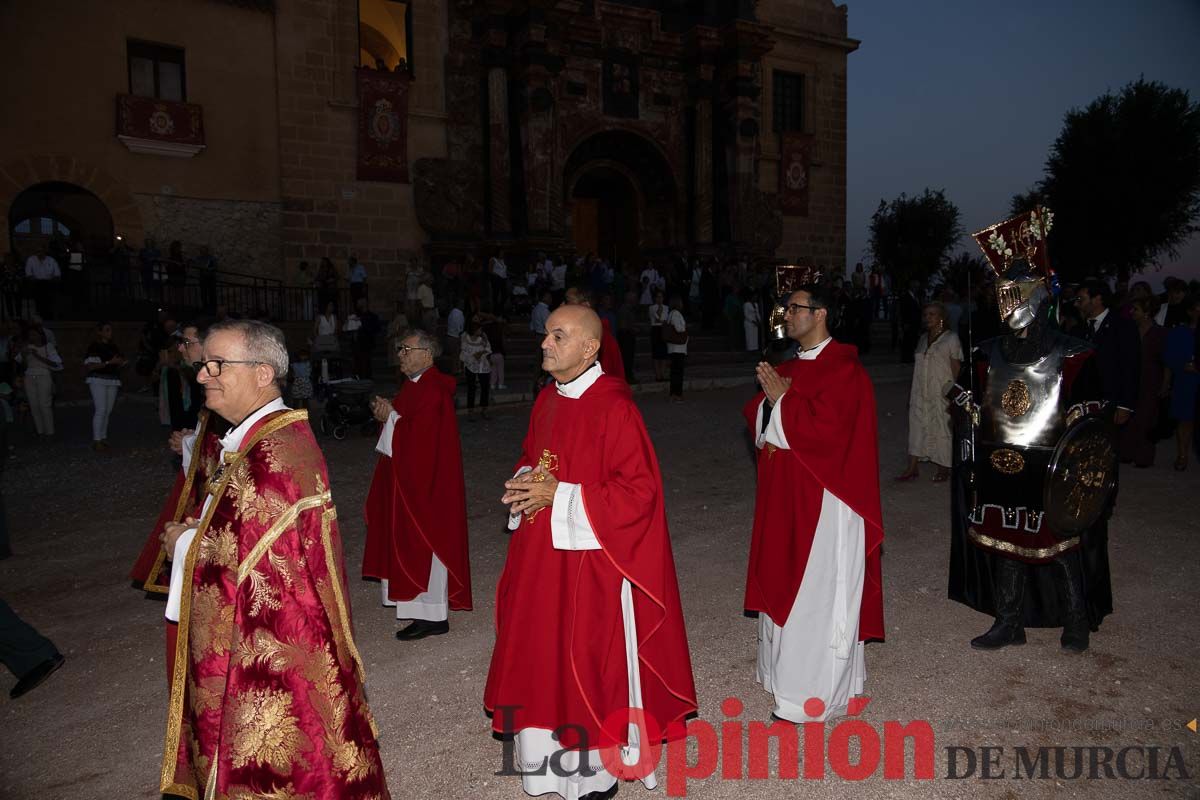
[1081,477]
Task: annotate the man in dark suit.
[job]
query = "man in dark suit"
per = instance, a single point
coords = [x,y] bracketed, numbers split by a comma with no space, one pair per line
[1118,346]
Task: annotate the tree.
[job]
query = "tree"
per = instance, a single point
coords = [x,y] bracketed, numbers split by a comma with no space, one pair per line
[912,237]
[1123,180]
[963,270]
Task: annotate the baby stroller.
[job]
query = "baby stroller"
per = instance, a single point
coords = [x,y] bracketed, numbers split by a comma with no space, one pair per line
[347,403]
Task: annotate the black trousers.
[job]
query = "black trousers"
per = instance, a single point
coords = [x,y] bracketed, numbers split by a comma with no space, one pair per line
[499,292]
[677,361]
[21,647]
[626,341]
[483,381]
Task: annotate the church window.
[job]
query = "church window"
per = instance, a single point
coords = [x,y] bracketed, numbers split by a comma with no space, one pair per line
[385,35]
[787,100]
[156,70]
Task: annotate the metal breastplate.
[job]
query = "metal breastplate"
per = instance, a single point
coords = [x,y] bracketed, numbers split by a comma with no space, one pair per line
[1023,404]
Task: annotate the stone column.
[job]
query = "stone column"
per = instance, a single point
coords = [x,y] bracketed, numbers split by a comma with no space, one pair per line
[702,160]
[499,179]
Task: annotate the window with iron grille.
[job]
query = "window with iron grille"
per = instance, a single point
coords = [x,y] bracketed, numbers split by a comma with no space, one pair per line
[787,99]
[156,70]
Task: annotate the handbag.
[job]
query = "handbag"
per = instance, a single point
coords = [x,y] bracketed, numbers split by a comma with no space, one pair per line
[672,336]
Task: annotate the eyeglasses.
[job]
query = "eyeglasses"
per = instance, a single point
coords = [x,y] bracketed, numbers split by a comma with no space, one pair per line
[214,365]
[406,349]
[794,308]
[188,342]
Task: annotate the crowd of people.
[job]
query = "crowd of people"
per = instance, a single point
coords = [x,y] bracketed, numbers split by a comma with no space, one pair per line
[583,517]
[1147,344]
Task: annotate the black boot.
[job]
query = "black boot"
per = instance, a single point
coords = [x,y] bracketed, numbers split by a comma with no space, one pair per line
[1009,586]
[1076,630]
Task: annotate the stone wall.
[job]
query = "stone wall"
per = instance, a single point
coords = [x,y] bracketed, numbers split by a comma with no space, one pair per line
[811,40]
[326,211]
[244,236]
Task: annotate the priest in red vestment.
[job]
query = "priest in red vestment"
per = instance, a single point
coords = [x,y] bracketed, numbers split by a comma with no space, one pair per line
[197,449]
[814,572]
[588,620]
[147,572]
[267,695]
[611,360]
[416,508]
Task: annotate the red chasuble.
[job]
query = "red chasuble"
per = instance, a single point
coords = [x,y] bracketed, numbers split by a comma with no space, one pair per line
[186,497]
[559,656]
[417,505]
[610,352]
[267,693]
[829,420]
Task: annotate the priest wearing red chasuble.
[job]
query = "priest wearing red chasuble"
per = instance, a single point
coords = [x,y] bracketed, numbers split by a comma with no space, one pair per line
[416,508]
[588,619]
[814,573]
[267,696]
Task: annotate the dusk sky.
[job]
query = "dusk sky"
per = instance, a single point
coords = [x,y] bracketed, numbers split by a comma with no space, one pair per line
[968,96]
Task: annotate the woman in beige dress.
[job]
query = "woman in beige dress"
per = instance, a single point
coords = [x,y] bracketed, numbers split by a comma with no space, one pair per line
[939,356]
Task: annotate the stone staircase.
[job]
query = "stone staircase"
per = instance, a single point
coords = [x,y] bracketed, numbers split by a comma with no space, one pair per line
[713,362]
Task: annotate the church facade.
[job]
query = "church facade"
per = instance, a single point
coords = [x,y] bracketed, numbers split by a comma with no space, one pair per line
[278,132]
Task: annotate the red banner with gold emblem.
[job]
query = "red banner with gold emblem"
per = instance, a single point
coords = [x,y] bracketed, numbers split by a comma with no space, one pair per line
[795,160]
[160,120]
[382,125]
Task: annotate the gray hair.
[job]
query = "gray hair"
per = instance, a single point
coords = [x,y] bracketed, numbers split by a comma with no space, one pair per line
[424,339]
[264,343]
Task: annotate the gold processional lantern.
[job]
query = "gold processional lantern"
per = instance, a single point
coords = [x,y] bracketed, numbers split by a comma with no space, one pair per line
[788,278]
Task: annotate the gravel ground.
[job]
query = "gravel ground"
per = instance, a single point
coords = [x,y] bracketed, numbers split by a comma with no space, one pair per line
[95,730]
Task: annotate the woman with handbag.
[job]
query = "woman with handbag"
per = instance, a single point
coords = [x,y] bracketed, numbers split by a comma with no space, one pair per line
[658,346]
[675,334]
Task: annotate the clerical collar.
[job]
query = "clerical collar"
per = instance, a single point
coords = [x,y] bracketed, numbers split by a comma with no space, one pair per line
[575,387]
[814,351]
[417,377]
[233,439]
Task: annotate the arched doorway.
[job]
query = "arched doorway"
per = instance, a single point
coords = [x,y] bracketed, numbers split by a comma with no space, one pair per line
[621,193]
[604,214]
[55,214]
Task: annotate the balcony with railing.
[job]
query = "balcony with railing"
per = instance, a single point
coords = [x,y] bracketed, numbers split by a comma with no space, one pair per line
[152,126]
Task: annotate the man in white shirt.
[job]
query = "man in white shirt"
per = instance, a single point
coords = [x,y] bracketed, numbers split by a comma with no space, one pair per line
[43,273]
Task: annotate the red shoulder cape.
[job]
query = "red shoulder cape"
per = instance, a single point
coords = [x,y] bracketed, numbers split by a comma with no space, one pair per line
[559,656]
[830,423]
[610,353]
[416,505]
